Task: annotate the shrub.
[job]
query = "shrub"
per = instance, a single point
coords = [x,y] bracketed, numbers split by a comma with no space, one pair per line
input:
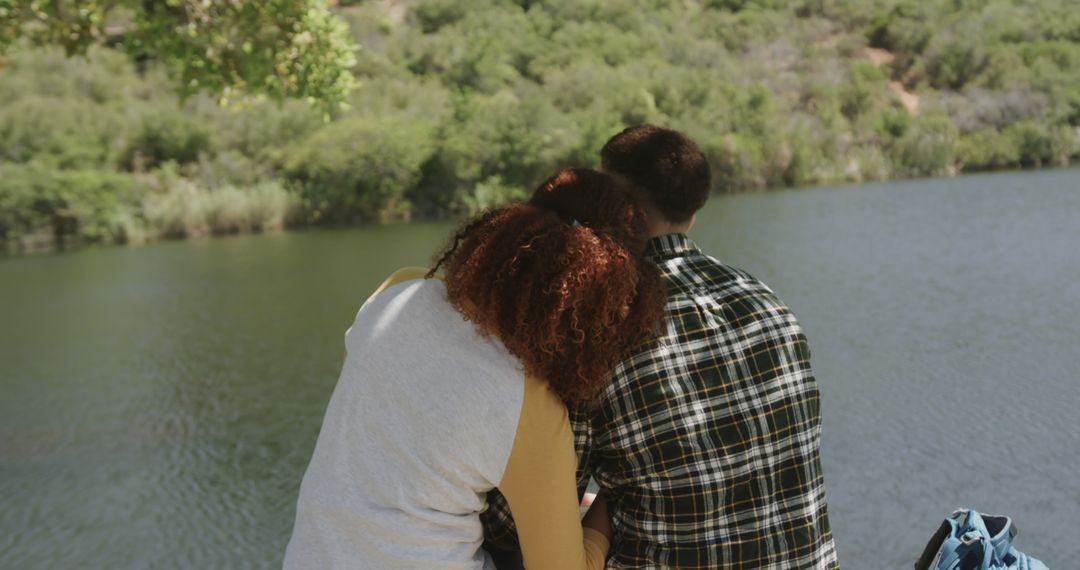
[956,63]
[360,168]
[177,207]
[893,123]
[863,90]
[433,15]
[1042,145]
[66,133]
[168,137]
[264,133]
[491,193]
[929,147]
[80,205]
[902,27]
[988,149]
[102,77]
[736,163]
[499,135]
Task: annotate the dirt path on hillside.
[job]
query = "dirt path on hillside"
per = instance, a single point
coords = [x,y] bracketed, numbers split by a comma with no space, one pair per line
[908,99]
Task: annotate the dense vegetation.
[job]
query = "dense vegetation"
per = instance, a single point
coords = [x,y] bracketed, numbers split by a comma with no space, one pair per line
[460,105]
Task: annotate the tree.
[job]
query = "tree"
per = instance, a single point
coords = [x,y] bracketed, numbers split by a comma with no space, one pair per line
[277,48]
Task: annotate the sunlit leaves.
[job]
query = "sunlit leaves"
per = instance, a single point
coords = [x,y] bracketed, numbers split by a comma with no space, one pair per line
[275,48]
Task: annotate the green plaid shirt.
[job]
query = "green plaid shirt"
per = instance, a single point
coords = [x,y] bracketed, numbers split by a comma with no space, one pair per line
[707,446]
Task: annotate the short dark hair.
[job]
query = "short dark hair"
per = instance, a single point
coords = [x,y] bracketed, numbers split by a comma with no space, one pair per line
[665,165]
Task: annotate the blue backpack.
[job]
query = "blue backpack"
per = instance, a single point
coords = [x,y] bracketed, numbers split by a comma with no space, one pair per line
[968,540]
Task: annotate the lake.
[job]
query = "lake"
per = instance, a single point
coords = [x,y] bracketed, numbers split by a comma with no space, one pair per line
[159,404]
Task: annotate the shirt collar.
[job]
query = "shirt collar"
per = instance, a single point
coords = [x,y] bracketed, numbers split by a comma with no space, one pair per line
[669,246]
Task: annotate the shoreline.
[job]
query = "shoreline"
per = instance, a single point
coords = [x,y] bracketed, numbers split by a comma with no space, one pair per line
[42,244]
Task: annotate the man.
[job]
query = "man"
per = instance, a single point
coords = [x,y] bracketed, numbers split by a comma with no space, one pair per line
[706,446]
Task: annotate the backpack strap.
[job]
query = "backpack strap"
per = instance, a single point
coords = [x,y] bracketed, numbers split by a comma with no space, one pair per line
[934,546]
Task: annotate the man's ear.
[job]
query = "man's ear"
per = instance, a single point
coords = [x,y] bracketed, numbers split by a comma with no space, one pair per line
[690,224]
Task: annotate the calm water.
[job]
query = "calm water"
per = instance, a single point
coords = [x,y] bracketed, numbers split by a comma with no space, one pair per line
[158,405]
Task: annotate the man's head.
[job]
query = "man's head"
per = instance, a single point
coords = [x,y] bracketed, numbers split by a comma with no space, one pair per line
[664,167]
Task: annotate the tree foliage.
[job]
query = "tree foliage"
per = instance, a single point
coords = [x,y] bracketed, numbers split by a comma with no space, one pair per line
[279,48]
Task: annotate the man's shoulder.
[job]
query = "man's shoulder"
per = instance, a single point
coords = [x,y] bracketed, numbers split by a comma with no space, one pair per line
[703,275]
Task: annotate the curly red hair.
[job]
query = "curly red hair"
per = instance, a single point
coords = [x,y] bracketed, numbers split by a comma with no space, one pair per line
[560,281]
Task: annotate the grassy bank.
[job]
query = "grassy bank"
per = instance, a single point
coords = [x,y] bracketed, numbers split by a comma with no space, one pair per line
[56,209]
[462,105]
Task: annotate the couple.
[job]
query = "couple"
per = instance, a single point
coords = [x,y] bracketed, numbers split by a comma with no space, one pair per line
[691,400]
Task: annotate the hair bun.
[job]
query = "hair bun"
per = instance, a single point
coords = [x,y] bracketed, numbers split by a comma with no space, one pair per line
[593,199]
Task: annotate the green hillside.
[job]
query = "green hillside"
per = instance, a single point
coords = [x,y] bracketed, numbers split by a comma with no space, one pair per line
[461,105]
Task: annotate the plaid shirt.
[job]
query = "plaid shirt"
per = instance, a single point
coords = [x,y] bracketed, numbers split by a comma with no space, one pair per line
[707,446]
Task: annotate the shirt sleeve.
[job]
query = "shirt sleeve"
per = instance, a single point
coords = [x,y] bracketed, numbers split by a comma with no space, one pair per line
[581,423]
[400,276]
[499,529]
[539,484]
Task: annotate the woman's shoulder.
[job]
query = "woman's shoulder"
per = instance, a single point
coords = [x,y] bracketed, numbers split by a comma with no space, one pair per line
[401,276]
[407,277]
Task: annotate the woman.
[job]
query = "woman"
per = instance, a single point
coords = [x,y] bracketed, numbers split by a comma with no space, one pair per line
[453,388]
